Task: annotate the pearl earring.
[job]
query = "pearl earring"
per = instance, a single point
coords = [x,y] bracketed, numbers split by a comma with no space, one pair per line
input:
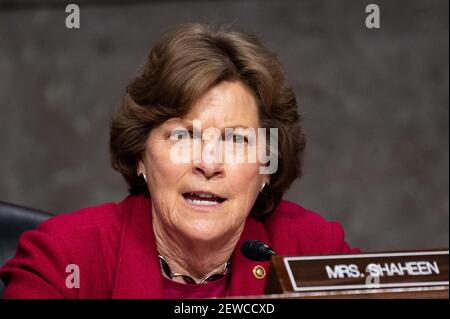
[262,187]
[145,177]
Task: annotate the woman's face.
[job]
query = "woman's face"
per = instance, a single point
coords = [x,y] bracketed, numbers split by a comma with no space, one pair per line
[181,192]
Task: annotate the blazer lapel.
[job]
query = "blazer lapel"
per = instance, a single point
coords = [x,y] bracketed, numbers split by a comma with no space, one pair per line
[138,272]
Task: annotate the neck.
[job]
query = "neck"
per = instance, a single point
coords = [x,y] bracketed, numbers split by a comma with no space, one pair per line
[195,258]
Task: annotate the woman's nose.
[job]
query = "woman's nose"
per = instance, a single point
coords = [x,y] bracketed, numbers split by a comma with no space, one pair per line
[209,163]
[208,170]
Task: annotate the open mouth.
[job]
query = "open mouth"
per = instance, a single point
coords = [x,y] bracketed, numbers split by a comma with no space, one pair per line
[203,198]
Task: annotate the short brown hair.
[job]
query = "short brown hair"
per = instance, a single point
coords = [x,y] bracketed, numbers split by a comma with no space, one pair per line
[186,62]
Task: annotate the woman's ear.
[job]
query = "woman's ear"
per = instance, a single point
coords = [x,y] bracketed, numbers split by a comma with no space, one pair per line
[266,179]
[140,168]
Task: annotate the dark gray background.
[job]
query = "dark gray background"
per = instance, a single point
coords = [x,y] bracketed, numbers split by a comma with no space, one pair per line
[376,104]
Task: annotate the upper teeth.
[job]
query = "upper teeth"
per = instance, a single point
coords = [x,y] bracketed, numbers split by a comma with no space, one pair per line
[206,195]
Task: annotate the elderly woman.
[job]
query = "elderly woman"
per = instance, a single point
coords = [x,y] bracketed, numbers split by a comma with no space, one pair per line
[204,94]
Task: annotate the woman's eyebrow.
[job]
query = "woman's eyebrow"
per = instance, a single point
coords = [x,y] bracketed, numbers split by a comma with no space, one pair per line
[189,123]
[178,122]
[234,127]
[237,126]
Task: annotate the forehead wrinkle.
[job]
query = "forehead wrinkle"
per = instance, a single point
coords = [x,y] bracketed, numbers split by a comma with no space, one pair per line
[223,104]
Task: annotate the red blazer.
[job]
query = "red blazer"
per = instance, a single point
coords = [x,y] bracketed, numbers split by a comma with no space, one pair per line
[114,247]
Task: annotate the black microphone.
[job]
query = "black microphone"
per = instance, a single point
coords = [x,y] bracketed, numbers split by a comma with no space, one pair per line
[256,250]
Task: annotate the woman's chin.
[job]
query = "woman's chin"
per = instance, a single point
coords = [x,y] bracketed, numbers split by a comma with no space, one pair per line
[203,231]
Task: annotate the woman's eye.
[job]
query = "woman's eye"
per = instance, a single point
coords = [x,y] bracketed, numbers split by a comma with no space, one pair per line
[179,135]
[237,138]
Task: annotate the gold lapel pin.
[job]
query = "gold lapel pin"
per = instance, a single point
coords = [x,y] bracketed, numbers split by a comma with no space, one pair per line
[259,272]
